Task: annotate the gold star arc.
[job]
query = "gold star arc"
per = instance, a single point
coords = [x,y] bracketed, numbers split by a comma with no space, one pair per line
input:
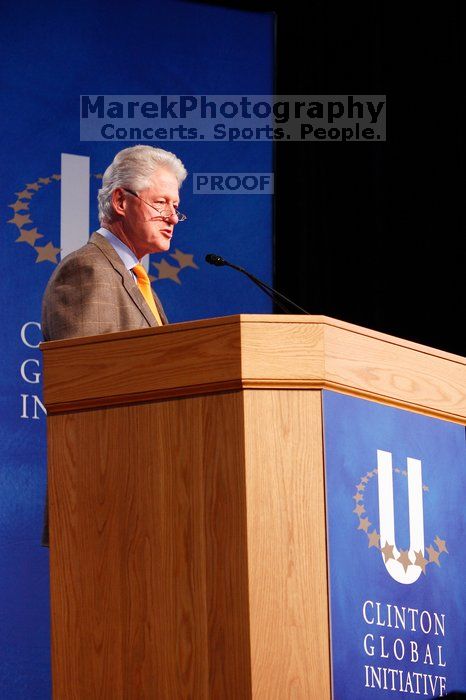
[388,550]
[49,252]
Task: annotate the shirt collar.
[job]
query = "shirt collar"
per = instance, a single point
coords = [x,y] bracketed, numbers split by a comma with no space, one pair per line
[127,256]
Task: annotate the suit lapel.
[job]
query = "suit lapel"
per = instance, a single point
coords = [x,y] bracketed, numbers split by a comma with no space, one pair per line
[160,308]
[129,284]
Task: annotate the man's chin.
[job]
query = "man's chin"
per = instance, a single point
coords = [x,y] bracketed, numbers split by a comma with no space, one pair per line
[160,248]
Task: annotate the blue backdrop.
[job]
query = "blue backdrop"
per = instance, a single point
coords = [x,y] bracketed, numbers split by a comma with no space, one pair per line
[52,53]
[354,430]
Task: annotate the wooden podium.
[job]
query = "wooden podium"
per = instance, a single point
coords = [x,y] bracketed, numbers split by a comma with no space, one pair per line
[187,510]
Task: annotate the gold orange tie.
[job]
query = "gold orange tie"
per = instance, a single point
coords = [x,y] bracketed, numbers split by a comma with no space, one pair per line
[143,282]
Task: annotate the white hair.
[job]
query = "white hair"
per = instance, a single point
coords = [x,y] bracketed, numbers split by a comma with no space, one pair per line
[133,168]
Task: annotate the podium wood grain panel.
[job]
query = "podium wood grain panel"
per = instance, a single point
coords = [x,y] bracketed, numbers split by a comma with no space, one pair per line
[286,545]
[148,552]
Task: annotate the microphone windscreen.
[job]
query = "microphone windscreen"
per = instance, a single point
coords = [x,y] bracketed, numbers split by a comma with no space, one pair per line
[213,259]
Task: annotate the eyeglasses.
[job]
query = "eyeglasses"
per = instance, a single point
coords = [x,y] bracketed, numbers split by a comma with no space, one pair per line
[164,213]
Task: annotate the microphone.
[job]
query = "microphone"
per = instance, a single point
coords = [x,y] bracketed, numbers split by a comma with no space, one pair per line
[277,297]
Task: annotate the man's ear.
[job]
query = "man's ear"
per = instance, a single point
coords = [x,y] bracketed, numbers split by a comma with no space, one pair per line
[119,201]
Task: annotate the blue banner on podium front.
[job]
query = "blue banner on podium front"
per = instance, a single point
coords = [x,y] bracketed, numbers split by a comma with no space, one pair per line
[396,524]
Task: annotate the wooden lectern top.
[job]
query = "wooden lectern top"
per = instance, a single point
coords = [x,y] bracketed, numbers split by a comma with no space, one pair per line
[253,351]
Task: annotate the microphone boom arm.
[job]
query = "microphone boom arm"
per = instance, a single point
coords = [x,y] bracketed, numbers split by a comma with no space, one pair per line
[272,293]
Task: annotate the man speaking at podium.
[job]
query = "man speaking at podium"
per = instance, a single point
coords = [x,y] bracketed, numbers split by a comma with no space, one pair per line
[103,287]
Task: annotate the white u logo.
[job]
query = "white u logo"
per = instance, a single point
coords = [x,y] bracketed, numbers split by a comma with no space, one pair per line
[407,573]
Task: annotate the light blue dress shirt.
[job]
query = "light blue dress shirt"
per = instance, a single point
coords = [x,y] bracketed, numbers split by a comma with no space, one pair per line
[127,256]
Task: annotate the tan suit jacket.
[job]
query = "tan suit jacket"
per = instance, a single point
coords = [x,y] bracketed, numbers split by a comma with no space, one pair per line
[91,292]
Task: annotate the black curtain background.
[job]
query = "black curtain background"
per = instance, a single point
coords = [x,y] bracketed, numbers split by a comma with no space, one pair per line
[372,233]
